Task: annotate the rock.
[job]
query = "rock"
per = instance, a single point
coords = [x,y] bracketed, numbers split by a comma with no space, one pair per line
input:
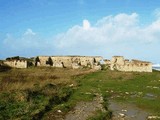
[156,87]
[127,93]
[59,111]
[71,85]
[98,67]
[122,115]
[75,66]
[58,65]
[111,91]
[153,117]
[124,110]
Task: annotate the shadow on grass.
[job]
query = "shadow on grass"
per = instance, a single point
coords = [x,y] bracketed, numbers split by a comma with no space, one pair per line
[4,68]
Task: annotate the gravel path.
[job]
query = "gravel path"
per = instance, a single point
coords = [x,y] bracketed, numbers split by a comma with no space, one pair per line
[83,110]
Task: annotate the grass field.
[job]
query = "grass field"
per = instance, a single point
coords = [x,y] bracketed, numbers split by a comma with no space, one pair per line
[35,92]
[140,89]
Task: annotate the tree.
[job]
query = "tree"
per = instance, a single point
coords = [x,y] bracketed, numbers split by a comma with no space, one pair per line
[49,62]
[37,60]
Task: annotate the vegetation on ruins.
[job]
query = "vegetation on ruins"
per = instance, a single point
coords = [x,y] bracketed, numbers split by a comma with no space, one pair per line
[49,62]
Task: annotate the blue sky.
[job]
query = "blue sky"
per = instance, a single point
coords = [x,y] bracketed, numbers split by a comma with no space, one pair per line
[130,28]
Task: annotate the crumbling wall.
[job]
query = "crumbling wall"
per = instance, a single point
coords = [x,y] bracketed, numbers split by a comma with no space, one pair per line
[119,63]
[69,61]
[64,61]
[42,60]
[16,63]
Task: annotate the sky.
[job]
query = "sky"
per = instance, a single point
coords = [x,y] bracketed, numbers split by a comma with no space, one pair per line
[129,28]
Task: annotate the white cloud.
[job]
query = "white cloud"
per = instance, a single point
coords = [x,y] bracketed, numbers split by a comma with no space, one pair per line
[121,34]
[29,39]
[86,24]
[29,32]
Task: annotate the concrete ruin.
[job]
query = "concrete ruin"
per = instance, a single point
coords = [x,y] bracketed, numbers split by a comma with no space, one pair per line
[121,64]
[16,62]
[74,62]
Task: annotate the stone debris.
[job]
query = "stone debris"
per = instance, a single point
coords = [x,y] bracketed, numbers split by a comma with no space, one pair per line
[156,87]
[59,111]
[71,85]
[98,67]
[127,93]
[83,110]
[122,115]
[112,91]
[124,110]
[153,117]
[153,87]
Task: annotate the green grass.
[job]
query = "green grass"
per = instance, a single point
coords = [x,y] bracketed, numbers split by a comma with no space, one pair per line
[34,92]
[130,87]
[99,115]
[31,93]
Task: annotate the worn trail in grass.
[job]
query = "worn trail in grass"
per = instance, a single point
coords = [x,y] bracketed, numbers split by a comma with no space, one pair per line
[140,89]
[29,93]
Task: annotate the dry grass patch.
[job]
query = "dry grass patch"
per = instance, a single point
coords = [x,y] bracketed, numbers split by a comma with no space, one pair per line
[21,79]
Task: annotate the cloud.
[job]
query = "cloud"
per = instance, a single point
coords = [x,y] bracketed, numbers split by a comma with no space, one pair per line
[121,34]
[27,40]
[86,24]
[29,32]
[108,30]
[28,44]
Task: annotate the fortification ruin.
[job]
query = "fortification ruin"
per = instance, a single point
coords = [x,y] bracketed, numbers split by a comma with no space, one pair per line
[74,62]
[121,64]
[16,62]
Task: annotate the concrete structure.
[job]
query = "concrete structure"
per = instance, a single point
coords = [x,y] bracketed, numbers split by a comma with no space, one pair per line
[16,62]
[74,62]
[121,64]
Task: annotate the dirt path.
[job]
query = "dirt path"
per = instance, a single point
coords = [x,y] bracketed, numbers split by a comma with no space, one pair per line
[123,111]
[83,110]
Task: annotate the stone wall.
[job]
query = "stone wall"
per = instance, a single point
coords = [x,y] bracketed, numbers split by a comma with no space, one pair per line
[68,61]
[121,64]
[16,63]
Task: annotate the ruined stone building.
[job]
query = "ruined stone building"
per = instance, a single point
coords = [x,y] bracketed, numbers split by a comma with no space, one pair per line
[75,62]
[121,64]
[16,62]
[68,61]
